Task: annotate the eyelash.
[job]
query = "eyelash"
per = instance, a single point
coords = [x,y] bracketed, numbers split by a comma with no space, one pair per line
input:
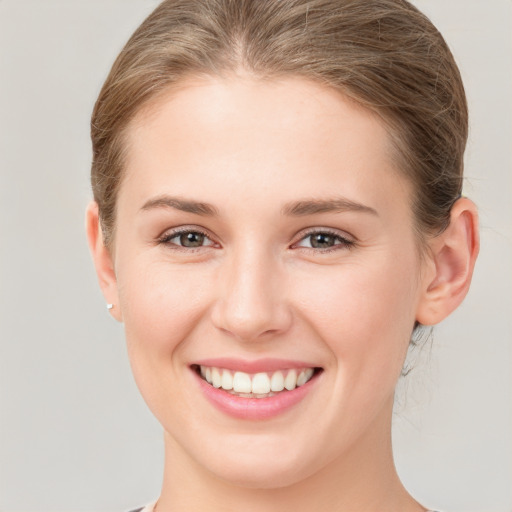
[166,239]
[343,243]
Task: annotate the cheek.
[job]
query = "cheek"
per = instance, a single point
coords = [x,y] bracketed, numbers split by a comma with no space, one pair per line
[161,306]
[365,313]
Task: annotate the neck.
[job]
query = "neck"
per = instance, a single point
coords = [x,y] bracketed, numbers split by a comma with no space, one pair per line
[361,480]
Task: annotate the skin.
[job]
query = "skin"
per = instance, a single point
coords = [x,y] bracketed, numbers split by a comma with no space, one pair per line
[258,289]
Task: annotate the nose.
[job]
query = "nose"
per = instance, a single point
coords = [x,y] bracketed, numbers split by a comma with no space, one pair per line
[251,300]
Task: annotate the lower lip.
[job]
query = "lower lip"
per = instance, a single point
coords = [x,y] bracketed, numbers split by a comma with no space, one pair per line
[254,408]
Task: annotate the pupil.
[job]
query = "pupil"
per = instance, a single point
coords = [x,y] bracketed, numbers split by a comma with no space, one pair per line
[192,239]
[321,240]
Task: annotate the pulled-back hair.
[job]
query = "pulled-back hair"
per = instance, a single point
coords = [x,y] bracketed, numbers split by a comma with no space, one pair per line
[384,54]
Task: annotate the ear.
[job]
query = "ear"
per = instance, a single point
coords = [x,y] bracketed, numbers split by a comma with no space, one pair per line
[451,262]
[102,260]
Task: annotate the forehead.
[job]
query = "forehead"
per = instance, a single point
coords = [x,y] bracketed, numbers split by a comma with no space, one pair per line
[251,138]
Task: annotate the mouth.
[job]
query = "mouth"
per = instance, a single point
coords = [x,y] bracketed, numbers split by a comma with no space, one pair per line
[255,385]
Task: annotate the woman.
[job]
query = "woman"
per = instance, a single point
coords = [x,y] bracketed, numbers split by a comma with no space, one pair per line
[277,208]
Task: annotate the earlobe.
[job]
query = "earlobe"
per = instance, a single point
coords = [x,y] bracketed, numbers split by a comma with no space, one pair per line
[102,259]
[453,255]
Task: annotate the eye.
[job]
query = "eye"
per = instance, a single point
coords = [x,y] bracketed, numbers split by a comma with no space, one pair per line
[190,239]
[324,241]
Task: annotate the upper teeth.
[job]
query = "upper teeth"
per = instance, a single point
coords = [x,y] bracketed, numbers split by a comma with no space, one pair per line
[259,383]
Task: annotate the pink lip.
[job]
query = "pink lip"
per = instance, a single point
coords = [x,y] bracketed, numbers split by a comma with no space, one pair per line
[254,408]
[260,365]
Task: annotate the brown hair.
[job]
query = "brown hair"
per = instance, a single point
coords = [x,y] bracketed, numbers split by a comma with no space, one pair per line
[384,54]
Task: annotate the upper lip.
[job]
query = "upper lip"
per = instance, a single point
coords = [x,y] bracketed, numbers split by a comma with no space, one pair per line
[256,366]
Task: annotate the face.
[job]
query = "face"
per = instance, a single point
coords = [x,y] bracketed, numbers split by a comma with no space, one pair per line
[263,229]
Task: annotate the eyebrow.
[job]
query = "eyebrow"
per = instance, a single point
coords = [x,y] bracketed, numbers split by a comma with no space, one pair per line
[334,205]
[295,209]
[185,205]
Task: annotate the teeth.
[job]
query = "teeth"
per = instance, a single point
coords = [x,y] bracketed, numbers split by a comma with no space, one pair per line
[277,381]
[301,379]
[259,385]
[291,380]
[227,380]
[242,383]
[216,378]
[304,376]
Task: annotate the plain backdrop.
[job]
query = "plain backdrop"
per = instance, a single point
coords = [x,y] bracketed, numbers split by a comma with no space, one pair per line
[74,433]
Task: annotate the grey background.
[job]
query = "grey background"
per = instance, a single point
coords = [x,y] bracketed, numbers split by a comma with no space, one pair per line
[74,433]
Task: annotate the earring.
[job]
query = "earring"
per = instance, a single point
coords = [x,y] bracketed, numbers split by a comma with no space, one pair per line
[110,306]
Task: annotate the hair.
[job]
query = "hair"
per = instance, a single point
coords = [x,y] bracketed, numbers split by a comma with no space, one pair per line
[384,54]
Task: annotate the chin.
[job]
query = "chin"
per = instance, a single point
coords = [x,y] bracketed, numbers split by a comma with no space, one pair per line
[262,467]
[259,476]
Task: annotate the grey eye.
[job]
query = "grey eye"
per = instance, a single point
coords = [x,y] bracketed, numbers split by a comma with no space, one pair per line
[188,239]
[191,239]
[322,240]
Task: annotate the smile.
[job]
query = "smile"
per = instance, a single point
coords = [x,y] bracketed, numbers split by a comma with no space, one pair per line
[255,390]
[258,385]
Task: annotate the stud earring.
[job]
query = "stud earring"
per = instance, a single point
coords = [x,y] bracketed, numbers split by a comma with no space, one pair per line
[110,306]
